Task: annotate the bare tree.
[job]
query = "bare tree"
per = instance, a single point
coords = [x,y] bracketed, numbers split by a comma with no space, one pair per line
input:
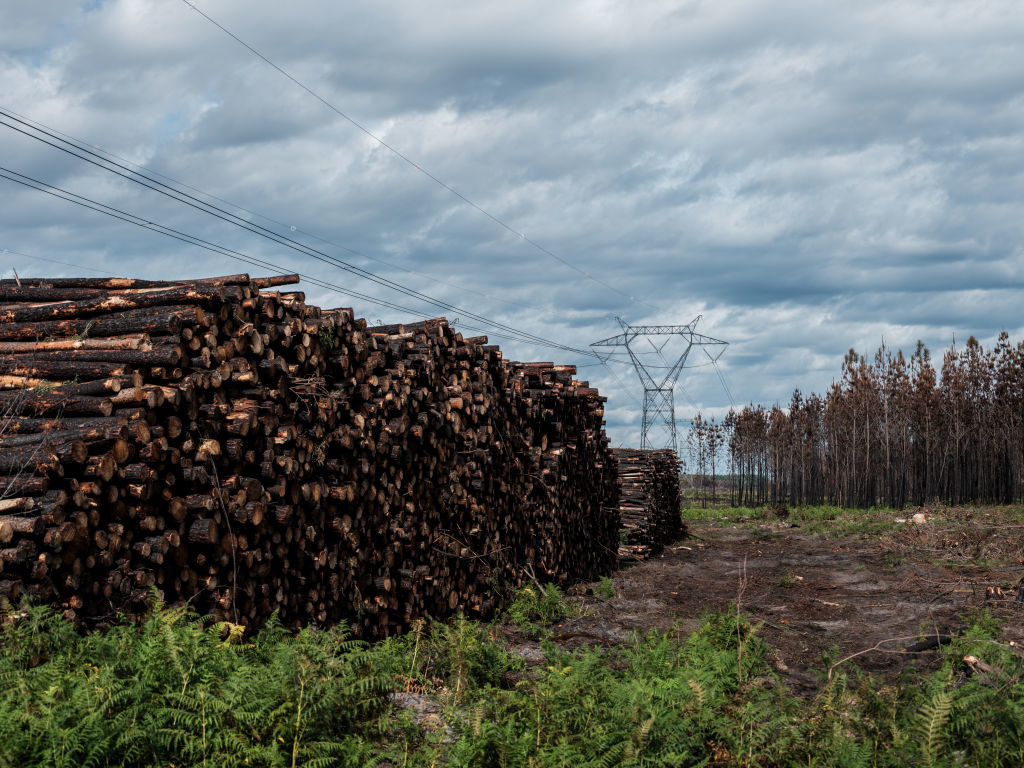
[891,431]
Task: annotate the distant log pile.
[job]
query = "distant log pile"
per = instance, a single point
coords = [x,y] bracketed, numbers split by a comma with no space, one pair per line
[226,443]
[649,501]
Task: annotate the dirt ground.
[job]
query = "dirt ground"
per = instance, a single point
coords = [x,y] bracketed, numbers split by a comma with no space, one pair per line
[824,594]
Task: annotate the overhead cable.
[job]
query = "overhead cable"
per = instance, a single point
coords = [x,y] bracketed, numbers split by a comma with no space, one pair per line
[190,200]
[52,261]
[117,213]
[725,385]
[89,146]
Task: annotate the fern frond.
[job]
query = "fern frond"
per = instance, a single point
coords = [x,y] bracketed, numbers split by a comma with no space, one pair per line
[934,715]
[700,693]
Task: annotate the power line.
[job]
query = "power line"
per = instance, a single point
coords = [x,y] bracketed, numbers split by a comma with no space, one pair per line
[252,262]
[131,218]
[122,215]
[92,148]
[191,240]
[230,218]
[53,261]
[725,385]
[409,160]
[622,386]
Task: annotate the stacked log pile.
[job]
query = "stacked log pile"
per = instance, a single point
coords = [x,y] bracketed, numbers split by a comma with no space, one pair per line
[475,487]
[649,501]
[413,483]
[573,505]
[226,443]
[121,398]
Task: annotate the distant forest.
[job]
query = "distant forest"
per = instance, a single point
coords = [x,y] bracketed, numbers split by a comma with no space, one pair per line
[890,431]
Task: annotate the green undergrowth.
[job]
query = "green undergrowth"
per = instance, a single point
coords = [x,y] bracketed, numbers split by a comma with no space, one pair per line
[826,518]
[537,606]
[820,519]
[179,691]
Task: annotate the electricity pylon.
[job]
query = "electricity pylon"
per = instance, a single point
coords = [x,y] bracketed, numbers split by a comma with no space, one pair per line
[659,399]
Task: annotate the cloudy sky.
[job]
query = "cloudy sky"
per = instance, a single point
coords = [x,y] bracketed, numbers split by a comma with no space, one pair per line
[809,177]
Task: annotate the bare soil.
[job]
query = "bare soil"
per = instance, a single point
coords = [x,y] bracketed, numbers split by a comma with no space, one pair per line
[820,596]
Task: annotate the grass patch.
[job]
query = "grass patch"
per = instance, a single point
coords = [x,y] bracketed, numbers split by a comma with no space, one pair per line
[722,515]
[788,581]
[605,588]
[824,519]
[834,521]
[536,606]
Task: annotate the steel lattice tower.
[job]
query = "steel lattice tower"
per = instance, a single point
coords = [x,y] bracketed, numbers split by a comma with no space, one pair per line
[659,395]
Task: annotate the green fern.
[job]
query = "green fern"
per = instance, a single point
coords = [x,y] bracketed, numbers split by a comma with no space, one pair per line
[934,716]
[172,691]
[700,695]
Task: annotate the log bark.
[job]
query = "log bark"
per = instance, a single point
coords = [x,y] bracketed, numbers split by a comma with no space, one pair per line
[121,301]
[156,320]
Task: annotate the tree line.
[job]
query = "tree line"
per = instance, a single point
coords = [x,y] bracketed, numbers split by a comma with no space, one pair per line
[891,431]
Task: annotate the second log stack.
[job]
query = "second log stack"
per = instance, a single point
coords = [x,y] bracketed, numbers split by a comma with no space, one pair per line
[649,501]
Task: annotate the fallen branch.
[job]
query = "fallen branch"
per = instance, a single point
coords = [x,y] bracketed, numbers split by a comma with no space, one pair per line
[876,647]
